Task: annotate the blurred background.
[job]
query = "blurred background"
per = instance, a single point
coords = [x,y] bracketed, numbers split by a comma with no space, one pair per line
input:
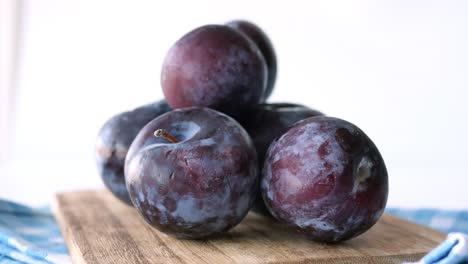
[397,69]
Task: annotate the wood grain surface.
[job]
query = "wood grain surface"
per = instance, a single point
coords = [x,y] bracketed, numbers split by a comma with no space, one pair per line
[100,229]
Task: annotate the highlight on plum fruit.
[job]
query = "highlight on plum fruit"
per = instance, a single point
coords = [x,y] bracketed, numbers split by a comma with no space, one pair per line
[326,178]
[262,41]
[264,123]
[192,173]
[214,66]
[113,142]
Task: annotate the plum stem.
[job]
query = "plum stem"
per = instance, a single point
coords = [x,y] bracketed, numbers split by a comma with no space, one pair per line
[163,133]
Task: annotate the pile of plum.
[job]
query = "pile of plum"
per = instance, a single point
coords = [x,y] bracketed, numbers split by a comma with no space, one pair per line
[194,164]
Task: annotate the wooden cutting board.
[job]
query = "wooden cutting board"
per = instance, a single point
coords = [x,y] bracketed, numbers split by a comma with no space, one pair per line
[100,229]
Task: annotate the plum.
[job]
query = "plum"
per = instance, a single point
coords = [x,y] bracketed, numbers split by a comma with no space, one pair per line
[326,178]
[262,41]
[113,142]
[192,173]
[265,122]
[214,66]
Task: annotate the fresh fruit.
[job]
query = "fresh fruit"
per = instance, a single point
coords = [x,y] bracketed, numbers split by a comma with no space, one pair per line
[214,66]
[326,178]
[265,122]
[192,172]
[113,142]
[264,44]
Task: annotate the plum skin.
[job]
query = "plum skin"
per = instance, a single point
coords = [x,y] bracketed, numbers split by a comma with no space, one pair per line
[267,121]
[326,178]
[264,123]
[114,140]
[203,185]
[262,41]
[214,66]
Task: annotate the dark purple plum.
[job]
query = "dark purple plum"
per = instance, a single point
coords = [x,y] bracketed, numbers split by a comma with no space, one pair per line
[262,41]
[214,66]
[192,173]
[326,178]
[264,123]
[113,142]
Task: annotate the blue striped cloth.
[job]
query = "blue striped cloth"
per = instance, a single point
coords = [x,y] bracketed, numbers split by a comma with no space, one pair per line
[454,250]
[446,221]
[29,235]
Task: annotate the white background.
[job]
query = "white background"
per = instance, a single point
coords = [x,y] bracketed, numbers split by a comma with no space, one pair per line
[397,69]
